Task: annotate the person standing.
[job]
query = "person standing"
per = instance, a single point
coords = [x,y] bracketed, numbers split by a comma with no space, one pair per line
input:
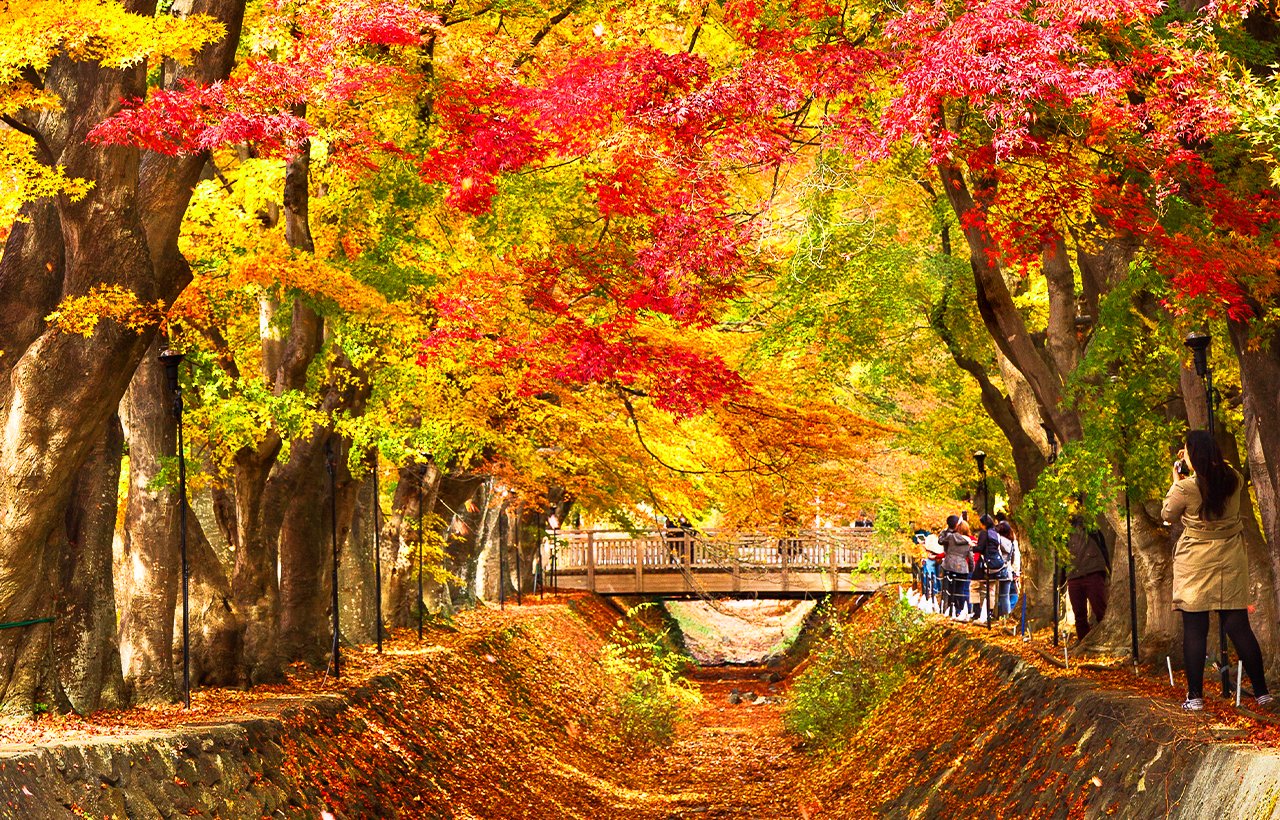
[1210,565]
[1087,579]
[989,565]
[1013,566]
[957,547]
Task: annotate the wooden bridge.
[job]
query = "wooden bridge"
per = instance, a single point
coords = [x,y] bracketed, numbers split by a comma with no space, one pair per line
[687,563]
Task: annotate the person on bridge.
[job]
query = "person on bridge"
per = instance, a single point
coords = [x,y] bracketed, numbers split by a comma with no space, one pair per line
[674,535]
[1210,565]
[957,547]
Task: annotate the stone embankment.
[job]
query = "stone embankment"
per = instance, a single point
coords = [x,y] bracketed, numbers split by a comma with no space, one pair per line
[512,717]
[979,729]
[503,719]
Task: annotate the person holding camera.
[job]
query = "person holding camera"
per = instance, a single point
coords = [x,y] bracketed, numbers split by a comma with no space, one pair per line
[1210,566]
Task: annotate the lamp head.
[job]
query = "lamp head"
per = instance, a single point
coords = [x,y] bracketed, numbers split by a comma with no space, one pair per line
[981,459]
[171,358]
[1199,344]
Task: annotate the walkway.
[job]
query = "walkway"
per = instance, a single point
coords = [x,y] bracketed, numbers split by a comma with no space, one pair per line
[686,563]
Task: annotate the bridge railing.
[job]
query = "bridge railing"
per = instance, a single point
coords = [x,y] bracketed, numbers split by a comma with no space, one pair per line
[656,550]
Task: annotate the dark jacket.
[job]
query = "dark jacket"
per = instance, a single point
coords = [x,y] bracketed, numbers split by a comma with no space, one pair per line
[957,548]
[987,549]
[1086,554]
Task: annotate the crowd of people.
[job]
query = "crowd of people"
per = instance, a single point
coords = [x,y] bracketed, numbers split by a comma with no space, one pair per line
[965,563]
[968,568]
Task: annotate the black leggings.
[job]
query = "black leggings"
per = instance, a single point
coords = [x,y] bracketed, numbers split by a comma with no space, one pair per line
[1195,637]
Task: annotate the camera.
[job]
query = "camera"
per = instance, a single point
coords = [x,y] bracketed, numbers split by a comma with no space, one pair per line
[1180,467]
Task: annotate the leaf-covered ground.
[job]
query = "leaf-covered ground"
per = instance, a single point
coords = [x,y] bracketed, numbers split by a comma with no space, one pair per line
[510,716]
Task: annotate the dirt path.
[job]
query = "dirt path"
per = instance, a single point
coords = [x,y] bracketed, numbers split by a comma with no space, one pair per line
[730,761]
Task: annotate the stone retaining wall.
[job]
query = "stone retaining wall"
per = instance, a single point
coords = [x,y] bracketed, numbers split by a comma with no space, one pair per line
[978,732]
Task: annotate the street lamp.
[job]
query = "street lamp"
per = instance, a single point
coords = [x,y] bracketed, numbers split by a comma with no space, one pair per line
[1199,345]
[1053,441]
[171,359]
[980,458]
[331,462]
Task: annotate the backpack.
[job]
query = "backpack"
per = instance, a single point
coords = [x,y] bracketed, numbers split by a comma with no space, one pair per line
[991,561]
[1101,541]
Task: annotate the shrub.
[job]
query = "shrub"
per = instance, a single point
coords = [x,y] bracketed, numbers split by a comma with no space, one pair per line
[852,670]
[654,695]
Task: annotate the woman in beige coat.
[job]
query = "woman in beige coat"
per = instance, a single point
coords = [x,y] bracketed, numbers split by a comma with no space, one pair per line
[1210,566]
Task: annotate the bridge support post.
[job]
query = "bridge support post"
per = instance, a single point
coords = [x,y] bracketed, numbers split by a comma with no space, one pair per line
[640,550]
[835,565]
[591,560]
[786,561]
[737,573]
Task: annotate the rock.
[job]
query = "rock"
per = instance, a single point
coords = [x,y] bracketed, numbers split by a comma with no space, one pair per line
[774,662]
[734,697]
[770,677]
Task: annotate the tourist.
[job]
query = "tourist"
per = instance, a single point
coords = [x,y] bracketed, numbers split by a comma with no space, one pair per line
[989,565]
[687,533]
[1087,578]
[957,547]
[934,555]
[1013,565]
[675,541]
[1210,566]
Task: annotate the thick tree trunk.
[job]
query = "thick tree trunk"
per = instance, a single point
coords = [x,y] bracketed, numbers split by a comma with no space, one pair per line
[216,626]
[263,493]
[400,542]
[86,658]
[305,559]
[149,566]
[60,389]
[355,572]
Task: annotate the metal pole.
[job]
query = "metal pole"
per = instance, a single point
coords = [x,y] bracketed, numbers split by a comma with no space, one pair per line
[333,533]
[502,560]
[377,552]
[1055,593]
[516,540]
[1133,582]
[1022,593]
[186,570]
[986,591]
[422,473]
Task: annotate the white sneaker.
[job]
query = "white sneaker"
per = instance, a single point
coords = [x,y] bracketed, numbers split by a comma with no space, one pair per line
[1193,704]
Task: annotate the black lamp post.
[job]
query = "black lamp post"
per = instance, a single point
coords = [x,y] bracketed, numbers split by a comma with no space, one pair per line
[1053,441]
[171,359]
[331,461]
[1128,530]
[502,558]
[1199,345]
[980,458]
[422,604]
[377,553]
[1053,459]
